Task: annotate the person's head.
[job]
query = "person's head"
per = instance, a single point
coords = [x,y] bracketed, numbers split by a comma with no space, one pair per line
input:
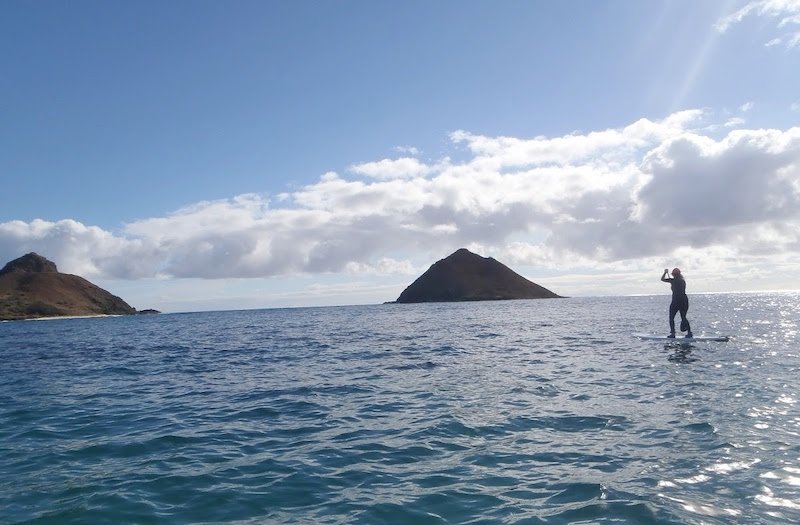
[676,272]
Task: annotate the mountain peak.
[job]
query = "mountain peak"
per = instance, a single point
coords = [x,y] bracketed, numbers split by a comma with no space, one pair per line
[30,263]
[466,276]
[32,286]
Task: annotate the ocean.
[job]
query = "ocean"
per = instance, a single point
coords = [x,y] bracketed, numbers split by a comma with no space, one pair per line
[512,412]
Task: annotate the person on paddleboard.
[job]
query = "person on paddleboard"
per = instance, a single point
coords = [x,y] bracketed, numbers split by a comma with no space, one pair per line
[680,301]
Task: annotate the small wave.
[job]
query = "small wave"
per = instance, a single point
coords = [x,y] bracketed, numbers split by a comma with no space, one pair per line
[425,365]
[700,428]
[613,512]
[579,492]
[546,391]
[123,371]
[569,423]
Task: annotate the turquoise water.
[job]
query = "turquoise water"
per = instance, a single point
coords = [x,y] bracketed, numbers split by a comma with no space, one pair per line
[500,412]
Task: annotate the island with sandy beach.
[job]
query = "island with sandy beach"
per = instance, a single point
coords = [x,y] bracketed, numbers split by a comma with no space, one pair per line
[31,287]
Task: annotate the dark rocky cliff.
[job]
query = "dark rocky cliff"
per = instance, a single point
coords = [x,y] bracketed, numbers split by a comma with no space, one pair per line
[465,276]
[32,286]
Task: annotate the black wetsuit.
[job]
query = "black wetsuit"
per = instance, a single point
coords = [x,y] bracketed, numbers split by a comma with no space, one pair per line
[680,303]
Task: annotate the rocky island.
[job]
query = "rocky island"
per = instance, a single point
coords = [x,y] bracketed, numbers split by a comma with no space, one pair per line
[465,276]
[32,287]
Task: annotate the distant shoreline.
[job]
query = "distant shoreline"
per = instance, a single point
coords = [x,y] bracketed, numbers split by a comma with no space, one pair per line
[57,317]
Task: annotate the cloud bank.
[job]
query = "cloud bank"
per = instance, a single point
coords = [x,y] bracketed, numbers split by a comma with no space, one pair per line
[592,199]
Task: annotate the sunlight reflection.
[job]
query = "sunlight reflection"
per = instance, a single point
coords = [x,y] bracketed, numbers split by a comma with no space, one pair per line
[701,508]
[727,468]
[768,498]
[787,475]
[700,478]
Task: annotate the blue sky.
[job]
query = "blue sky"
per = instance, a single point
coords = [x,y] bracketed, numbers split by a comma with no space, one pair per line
[201,155]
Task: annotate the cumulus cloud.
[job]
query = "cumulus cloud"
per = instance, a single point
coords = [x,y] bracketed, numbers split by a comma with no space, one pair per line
[705,187]
[403,168]
[734,122]
[80,249]
[785,14]
[593,199]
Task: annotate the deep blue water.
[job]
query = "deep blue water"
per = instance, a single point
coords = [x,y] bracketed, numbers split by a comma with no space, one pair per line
[498,412]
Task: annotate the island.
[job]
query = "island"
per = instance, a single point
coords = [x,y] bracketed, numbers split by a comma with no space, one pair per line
[466,276]
[32,287]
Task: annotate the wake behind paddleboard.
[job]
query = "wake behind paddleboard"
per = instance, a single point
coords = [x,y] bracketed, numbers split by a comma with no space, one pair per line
[678,339]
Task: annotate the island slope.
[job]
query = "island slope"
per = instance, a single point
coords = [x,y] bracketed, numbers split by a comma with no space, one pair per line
[465,276]
[31,287]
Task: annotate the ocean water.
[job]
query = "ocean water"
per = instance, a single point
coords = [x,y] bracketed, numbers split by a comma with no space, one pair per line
[498,412]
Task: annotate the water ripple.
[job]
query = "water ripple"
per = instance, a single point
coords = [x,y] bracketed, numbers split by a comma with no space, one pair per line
[509,412]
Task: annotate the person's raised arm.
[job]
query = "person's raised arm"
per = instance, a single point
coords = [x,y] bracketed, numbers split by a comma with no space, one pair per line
[664,276]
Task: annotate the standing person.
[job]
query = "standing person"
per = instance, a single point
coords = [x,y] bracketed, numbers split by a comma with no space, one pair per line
[680,301]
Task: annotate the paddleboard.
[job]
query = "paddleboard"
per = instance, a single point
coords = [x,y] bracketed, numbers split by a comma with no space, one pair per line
[680,339]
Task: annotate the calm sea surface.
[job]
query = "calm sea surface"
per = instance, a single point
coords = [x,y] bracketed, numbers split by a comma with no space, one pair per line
[500,412]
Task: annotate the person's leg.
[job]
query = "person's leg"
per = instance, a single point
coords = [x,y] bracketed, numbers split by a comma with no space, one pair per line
[673,309]
[684,309]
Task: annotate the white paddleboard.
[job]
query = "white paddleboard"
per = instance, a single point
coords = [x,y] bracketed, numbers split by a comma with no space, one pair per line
[679,339]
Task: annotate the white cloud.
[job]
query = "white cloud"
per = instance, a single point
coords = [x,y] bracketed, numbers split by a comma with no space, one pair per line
[385,266]
[80,249]
[607,145]
[403,168]
[795,106]
[734,122]
[785,14]
[705,187]
[747,106]
[624,198]
[407,150]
